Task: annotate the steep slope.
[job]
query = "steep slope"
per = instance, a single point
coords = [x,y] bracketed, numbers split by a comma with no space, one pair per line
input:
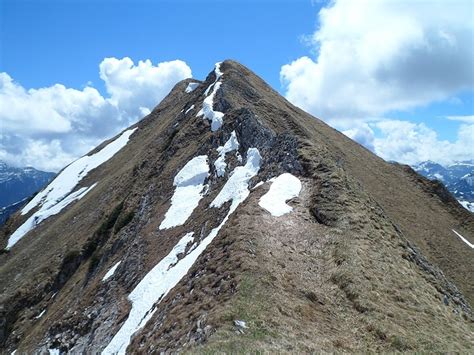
[16,185]
[181,239]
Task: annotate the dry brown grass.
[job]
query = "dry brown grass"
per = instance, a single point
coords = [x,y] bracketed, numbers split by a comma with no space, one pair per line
[337,274]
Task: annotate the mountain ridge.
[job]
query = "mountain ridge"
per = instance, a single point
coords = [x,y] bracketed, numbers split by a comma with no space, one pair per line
[17,185]
[356,250]
[457,177]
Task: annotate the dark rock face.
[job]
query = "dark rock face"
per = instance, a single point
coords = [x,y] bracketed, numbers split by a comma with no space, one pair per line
[363,247]
[279,151]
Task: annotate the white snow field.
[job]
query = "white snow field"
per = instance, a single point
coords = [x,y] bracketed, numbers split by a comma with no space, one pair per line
[229,146]
[463,239]
[169,271]
[283,188]
[71,175]
[57,195]
[191,87]
[111,272]
[45,211]
[215,117]
[189,184]
[236,187]
[153,287]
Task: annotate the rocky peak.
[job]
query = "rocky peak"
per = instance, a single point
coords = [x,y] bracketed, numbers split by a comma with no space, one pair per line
[229,219]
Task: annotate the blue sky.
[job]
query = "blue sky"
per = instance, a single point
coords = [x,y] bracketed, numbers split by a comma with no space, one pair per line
[397,76]
[46,42]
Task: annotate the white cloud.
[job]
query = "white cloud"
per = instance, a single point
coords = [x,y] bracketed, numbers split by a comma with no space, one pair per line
[465,119]
[377,56]
[363,134]
[49,127]
[44,154]
[374,56]
[136,89]
[411,143]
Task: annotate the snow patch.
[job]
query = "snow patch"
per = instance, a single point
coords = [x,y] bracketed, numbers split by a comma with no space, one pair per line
[151,289]
[463,239]
[111,272]
[283,188]
[71,175]
[217,70]
[53,351]
[240,324]
[236,187]
[189,109]
[169,271]
[215,117]
[189,184]
[258,184]
[45,211]
[41,314]
[220,166]
[229,146]
[191,87]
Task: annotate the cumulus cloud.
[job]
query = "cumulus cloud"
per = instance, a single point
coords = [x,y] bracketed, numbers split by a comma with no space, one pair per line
[375,56]
[363,134]
[49,127]
[412,143]
[136,89]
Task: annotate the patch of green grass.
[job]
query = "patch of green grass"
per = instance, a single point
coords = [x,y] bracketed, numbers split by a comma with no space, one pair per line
[250,305]
[102,233]
[125,219]
[251,302]
[399,343]
[94,261]
[113,223]
[108,224]
[71,257]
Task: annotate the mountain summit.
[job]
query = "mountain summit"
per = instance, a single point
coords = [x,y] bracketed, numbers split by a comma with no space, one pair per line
[230,220]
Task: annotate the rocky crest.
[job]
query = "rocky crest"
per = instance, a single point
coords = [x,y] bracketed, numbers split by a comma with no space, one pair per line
[366,259]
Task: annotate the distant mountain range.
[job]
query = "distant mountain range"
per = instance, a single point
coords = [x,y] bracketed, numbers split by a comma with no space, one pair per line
[16,185]
[458,178]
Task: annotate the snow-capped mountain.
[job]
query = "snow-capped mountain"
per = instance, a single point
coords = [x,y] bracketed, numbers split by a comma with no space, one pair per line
[458,179]
[230,221]
[17,185]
